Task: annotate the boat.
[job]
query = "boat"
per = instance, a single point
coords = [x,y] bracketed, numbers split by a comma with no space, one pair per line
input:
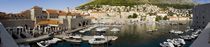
[83,31]
[115,30]
[194,35]
[178,42]
[98,40]
[74,39]
[197,31]
[48,42]
[43,44]
[167,44]
[102,29]
[176,32]
[186,37]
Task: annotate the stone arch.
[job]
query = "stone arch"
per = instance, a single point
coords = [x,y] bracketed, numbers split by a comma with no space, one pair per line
[83,23]
[80,24]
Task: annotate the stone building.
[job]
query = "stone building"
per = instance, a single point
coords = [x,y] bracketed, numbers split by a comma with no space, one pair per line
[79,21]
[201,16]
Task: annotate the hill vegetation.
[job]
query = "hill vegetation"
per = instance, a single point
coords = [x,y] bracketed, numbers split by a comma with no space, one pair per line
[161,3]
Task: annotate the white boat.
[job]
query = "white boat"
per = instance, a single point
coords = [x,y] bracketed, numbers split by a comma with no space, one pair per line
[98,40]
[43,44]
[54,40]
[102,28]
[48,42]
[181,41]
[82,31]
[167,44]
[186,37]
[175,42]
[176,32]
[75,39]
[194,35]
[115,30]
[197,31]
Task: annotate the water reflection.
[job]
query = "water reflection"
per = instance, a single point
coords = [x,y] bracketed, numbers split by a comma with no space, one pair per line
[135,35]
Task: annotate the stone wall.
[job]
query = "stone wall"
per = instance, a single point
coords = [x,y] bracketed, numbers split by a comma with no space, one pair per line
[201,16]
[18,22]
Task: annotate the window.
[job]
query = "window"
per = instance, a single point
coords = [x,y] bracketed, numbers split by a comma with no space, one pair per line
[203,22]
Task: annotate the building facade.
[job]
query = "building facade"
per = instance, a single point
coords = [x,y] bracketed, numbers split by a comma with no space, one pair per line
[201,16]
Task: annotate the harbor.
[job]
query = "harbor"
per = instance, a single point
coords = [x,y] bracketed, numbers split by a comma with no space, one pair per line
[105,23]
[138,36]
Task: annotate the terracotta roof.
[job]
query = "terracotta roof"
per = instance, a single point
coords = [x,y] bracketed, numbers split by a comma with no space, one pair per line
[51,11]
[75,14]
[97,12]
[91,17]
[44,22]
[62,13]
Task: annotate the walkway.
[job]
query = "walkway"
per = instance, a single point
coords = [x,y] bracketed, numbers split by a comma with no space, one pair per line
[32,39]
[6,38]
[86,38]
[77,29]
[203,38]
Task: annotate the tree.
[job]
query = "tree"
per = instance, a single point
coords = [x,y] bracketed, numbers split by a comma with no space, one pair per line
[130,16]
[158,18]
[170,13]
[135,15]
[165,18]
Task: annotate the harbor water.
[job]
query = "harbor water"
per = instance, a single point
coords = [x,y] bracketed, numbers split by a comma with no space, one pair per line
[133,35]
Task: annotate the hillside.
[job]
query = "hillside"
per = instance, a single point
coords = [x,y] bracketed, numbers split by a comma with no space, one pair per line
[160,3]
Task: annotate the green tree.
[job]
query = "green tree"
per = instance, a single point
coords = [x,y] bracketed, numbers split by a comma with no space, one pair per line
[130,16]
[135,15]
[165,18]
[170,13]
[158,18]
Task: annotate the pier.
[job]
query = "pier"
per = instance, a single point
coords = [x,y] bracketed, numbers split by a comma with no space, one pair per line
[43,37]
[86,38]
[32,39]
[77,29]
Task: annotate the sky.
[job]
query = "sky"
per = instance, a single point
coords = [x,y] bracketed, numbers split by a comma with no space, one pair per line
[15,6]
[202,1]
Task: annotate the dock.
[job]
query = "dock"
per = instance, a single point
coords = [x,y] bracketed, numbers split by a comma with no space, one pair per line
[86,38]
[62,36]
[77,29]
[32,39]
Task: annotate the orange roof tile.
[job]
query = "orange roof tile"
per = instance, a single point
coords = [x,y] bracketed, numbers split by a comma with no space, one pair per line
[51,11]
[91,17]
[54,22]
[62,13]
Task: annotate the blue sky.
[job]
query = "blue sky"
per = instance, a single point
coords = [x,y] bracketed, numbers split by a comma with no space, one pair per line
[203,1]
[14,6]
